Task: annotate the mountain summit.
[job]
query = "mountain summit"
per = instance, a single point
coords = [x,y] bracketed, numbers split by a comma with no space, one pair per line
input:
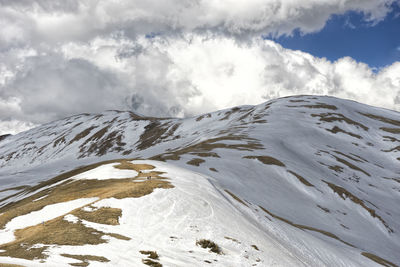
[296,181]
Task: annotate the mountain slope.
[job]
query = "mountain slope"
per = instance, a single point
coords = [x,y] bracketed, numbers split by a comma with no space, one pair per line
[314,180]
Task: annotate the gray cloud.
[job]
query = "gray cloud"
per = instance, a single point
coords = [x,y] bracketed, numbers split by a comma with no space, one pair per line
[170,58]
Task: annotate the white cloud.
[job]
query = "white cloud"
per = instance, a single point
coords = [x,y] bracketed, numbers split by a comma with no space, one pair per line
[64,57]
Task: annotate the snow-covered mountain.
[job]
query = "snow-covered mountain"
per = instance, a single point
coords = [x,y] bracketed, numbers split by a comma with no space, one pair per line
[297,181]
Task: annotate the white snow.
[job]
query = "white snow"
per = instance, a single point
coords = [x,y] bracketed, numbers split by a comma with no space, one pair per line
[106,171]
[45,214]
[170,220]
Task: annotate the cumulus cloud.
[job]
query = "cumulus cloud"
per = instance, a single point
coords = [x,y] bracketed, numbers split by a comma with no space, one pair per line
[171,58]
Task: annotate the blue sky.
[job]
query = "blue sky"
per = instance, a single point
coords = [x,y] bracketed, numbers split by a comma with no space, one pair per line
[350,35]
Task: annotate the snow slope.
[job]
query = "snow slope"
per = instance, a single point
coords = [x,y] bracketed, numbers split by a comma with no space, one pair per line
[310,181]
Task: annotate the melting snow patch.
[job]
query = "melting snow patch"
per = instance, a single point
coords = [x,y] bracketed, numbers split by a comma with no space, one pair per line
[71,218]
[40,198]
[106,172]
[47,213]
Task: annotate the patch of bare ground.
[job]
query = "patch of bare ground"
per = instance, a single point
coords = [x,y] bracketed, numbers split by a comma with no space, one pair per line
[324,209]
[266,160]
[62,232]
[150,254]
[152,258]
[332,117]
[298,101]
[213,169]
[305,227]
[236,197]
[336,129]
[206,154]
[82,134]
[10,265]
[195,161]
[111,142]
[85,259]
[154,133]
[350,165]
[246,144]
[391,130]
[343,193]
[390,138]
[151,263]
[206,243]
[380,118]
[255,247]
[315,106]
[379,260]
[395,149]
[301,179]
[103,215]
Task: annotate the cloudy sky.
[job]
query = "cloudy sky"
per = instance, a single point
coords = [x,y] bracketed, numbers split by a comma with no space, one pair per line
[185,57]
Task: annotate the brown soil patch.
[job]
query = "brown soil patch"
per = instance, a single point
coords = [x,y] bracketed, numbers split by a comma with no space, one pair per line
[343,193]
[236,197]
[318,106]
[336,129]
[380,118]
[151,254]
[391,130]
[154,133]
[255,247]
[85,259]
[332,117]
[59,231]
[151,263]
[104,215]
[10,265]
[82,134]
[205,243]
[195,162]
[350,165]
[266,160]
[379,260]
[301,179]
[246,144]
[213,169]
[305,227]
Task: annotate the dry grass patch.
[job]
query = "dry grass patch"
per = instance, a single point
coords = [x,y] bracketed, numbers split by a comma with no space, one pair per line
[236,197]
[391,130]
[195,162]
[332,117]
[205,243]
[350,165]
[336,130]
[85,259]
[255,247]
[245,143]
[10,265]
[301,179]
[151,263]
[380,118]
[61,232]
[104,215]
[379,260]
[150,254]
[266,160]
[318,106]
[57,231]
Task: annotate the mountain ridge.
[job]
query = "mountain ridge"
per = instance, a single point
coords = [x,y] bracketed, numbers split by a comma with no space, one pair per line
[311,167]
